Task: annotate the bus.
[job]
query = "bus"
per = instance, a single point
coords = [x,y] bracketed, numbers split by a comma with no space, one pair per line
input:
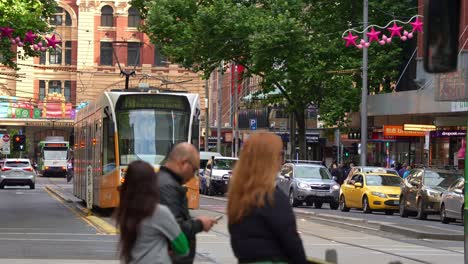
[122,126]
[53,157]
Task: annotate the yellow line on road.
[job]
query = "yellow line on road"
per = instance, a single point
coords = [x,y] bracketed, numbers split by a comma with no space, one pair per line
[100,225]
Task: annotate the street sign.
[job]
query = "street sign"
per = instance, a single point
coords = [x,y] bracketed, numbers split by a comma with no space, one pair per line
[6,148]
[6,138]
[253,124]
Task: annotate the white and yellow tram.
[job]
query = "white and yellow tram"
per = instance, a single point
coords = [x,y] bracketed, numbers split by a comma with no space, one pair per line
[123,126]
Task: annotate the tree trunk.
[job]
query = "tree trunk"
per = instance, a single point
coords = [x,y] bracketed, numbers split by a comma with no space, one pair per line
[301,137]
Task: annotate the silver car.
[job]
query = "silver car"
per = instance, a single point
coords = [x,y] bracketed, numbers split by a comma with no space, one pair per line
[453,202]
[17,172]
[309,183]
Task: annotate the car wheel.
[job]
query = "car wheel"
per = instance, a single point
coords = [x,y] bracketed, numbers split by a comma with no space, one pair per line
[334,205]
[403,211]
[342,204]
[32,186]
[389,212]
[309,203]
[2,186]
[292,201]
[443,215]
[421,214]
[318,205]
[365,205]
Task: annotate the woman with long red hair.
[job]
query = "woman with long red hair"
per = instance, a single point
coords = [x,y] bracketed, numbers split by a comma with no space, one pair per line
[262,223]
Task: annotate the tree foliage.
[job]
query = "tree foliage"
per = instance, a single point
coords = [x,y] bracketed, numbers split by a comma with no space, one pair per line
[294,45]
[24,16]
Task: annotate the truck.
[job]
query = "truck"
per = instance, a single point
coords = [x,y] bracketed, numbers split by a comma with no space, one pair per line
[53,159]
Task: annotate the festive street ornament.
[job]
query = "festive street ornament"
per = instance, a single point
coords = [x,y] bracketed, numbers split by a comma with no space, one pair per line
[52,42]
[417,25]
[395,28]
[350,39]
[30,37]
[6,32]
[373,35]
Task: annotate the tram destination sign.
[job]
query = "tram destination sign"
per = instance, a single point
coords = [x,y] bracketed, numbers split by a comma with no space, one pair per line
[156,101]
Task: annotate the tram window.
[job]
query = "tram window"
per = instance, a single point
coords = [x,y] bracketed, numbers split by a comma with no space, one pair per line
[108,150]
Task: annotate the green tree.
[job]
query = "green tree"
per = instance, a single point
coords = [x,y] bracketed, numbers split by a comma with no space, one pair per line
[23,16]
[294,45]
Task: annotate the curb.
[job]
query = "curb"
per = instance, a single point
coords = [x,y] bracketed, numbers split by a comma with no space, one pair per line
[95,221]
[382,226]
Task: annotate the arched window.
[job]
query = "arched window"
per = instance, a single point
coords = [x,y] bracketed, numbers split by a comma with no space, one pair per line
[133,17]
[60,16]
[107,16]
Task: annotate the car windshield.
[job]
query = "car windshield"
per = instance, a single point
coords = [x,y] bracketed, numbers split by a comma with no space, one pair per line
[382,180]
[312,172]
[381,170]
[440,179]
[224,164]
[17,164]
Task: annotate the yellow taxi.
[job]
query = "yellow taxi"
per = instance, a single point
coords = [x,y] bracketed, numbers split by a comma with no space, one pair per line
[371,191]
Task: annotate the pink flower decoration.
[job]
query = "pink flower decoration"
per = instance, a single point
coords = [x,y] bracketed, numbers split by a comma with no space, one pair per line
[410,35]
[389,40]
[404,38]
[395,30]
[40,44]
[382,42]
[43,48]
[30,37]
[367,44]
[350,39]
[20,44]
[373,35]
[417,25]
[359,46]
[52,42]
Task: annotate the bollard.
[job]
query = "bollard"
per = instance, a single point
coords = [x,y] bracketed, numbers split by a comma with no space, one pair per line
[331,256]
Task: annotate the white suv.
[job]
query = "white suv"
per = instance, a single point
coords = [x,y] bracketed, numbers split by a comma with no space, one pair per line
[17,172]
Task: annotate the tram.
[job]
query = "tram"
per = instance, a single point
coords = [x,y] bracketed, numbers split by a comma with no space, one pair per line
[127,125]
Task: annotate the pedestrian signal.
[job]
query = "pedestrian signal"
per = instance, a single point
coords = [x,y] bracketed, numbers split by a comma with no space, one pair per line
[19,142]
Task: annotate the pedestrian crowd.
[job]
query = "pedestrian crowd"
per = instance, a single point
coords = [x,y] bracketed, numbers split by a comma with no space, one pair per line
[156,227]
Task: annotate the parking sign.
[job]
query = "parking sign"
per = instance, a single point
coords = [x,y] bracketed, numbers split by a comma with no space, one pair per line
[253,124]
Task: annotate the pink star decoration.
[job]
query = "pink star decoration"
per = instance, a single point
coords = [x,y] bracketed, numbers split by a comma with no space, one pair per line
[52,42]
[395,29]
[350,39]
[417,25]
[6,32]
[373,35]
[30,36]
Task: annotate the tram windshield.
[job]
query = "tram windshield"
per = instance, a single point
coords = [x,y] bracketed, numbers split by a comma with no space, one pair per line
[147,130]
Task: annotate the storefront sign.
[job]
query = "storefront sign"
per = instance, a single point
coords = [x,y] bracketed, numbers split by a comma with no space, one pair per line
[448,133]
[400,132]
[377,136]
[459,106]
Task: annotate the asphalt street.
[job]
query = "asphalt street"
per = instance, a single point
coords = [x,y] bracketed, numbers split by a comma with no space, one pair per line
[35,227]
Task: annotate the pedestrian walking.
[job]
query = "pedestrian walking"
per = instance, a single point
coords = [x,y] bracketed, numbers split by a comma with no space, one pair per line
[146,227]
[262,223]
[182,164]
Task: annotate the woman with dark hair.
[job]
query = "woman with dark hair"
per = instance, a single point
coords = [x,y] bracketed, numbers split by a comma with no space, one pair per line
[261,221]
[146,227]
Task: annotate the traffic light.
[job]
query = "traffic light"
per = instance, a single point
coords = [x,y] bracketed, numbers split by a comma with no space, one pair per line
[346,152]
[19,142]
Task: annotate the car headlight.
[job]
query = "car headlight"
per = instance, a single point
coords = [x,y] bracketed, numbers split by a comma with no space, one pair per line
[433,193]
[379,194]
[336,187]
[303,185]
[216,177]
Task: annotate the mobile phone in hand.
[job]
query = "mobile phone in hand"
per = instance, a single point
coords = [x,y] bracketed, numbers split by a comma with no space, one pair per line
[219,217]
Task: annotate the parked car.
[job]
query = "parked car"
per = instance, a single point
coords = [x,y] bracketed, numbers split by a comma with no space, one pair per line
[453,202]
[17,172]
[369,169]
[205,156]
[216,176]
[421,191]
[371,191]
[309,183]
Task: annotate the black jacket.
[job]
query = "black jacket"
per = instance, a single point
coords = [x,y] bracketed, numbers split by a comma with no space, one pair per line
[268,234]
[173,195]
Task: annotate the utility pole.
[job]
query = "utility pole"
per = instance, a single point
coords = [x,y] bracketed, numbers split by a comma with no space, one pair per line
[236,113]
[207,116]
[218,107]
[364,92]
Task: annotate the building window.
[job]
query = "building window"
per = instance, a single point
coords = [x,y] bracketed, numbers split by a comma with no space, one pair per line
[60,16]
[42,58]
[67,91]
[107,16]
[133,17]
[106,53]
[41,90]
[55,56]
[68,52]
[55,87]
[133,54]
[68,20]
[159,59]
